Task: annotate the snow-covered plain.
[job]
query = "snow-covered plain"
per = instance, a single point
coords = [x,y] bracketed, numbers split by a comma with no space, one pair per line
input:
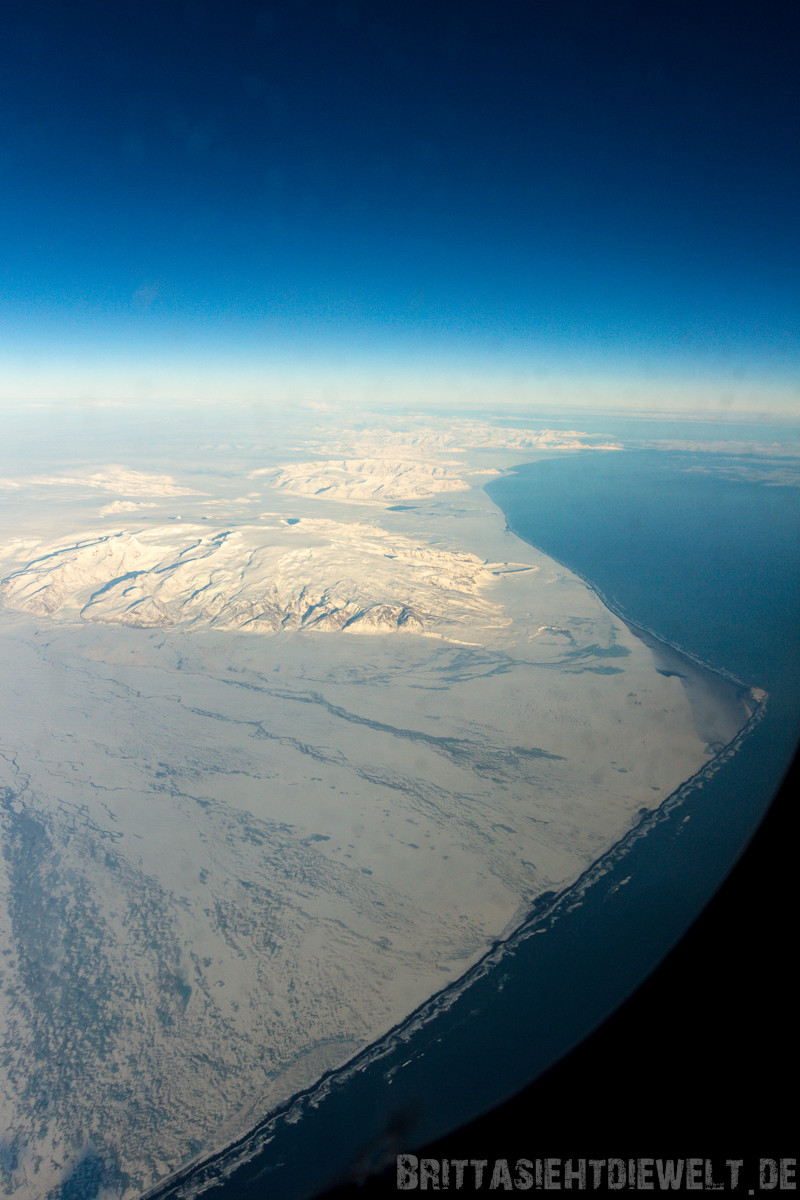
[241,843]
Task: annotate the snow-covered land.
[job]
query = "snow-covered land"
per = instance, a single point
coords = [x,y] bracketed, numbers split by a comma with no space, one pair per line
[240,843]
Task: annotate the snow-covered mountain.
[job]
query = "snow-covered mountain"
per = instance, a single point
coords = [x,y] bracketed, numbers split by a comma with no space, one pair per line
[384,479]
[313,574]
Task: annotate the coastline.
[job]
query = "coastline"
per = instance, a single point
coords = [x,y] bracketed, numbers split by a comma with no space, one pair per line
[636,627]
[214,1170]
[217,1169]
[257,707]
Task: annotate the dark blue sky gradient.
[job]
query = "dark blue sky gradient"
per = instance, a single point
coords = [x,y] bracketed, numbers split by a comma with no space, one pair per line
[572,182]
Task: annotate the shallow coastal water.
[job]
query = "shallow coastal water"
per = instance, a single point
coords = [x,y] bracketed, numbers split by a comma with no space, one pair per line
[709,563]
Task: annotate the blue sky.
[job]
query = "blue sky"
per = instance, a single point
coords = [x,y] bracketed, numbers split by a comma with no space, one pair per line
[582,200]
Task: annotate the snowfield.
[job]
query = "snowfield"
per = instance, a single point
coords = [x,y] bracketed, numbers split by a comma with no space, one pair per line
[239,844]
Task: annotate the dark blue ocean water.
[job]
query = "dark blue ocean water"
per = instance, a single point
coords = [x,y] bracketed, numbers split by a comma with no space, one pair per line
[709,562]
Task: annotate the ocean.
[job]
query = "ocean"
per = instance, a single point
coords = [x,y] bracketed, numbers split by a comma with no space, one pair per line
[694,549]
